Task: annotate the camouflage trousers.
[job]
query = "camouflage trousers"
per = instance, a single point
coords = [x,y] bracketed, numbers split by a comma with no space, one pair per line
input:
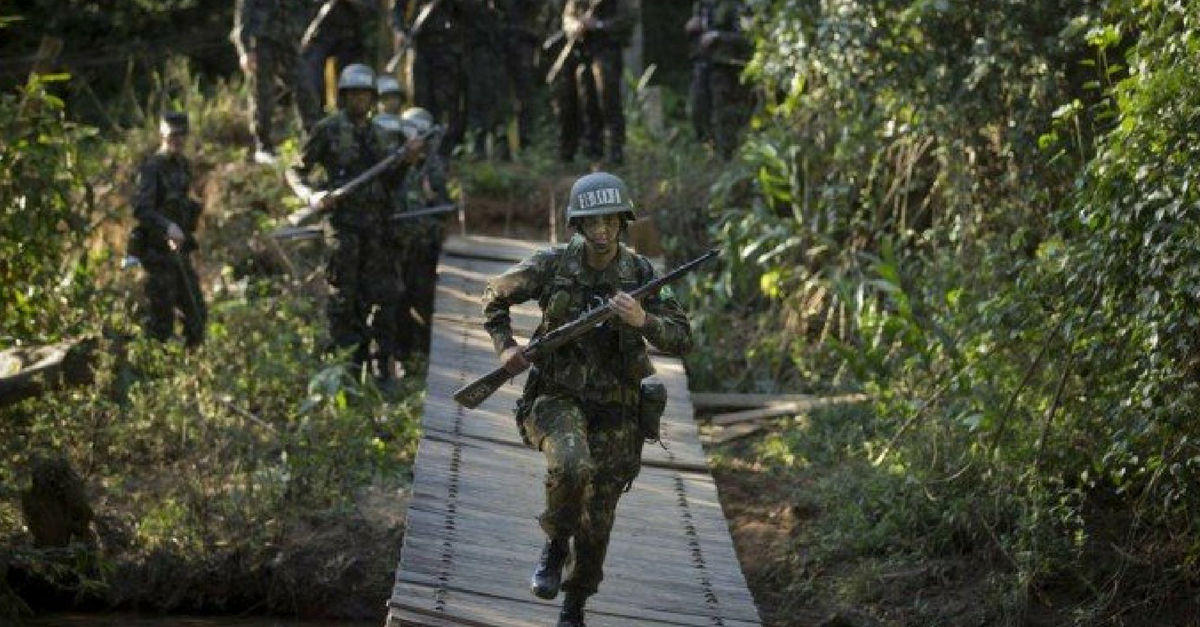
[365,291]
[419,243]
[437,79]
[592,457]
[279,62]
[172,288]
[717,101]
[591,96]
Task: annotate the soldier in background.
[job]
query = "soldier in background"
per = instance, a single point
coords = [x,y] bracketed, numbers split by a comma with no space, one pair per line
[519,41]
[267,36]
[601,29]
[418,240]
[362,273]
[391,95]
[164,237]
[336,31]
[487,87]
[437,61]
[585,404]
[719,50]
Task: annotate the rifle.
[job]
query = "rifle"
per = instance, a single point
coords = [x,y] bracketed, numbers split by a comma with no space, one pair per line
[362,179]
[474,393]
[569,47]
[302,233]
[417,26]
[315,24]
[428,211]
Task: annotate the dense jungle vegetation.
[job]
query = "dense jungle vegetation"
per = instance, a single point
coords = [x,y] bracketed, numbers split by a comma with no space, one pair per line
[982,214]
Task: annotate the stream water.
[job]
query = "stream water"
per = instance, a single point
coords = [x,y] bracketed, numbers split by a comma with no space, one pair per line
[155,620]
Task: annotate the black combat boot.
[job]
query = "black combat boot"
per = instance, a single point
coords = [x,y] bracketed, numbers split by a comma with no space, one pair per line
[548,573]
[572,610]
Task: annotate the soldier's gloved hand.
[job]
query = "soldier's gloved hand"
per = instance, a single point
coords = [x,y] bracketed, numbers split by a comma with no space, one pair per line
[513,360]
[175,235]
[320,201]
[707,39]
[693,25]
[628,309]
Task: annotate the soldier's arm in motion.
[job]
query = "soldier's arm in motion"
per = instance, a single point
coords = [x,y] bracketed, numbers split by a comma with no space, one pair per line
[521,283]
[312,153]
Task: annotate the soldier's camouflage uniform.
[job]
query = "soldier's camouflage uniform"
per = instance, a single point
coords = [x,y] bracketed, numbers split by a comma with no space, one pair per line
[717,97]
[418,245]
[366,287]
[598,67]
[519,43]
[580,403]
[338,36]
[171,285]
[271,29]
[437,63]
[486,88]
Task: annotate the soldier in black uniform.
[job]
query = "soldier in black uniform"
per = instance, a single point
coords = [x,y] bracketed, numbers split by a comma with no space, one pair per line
[267,35]
[437,63]
[362,272]
[165,236]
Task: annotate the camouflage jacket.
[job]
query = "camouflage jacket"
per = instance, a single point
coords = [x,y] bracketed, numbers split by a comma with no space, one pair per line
[343,150]
[409,190]
[606,365]
[618,19]
[724,17]
[277,21]
[160,199]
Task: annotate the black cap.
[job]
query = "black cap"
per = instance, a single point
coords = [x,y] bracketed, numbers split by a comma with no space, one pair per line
[174,123]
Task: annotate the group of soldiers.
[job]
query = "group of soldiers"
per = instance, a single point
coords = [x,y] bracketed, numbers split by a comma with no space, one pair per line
[474,65]
[374,160]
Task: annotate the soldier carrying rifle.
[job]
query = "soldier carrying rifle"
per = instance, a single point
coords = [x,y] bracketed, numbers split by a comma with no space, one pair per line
[362,271]
[587,406]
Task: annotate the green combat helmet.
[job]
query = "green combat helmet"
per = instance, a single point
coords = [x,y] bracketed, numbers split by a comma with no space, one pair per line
[385,85]
[392,129]
[421,119]
[598,194]
[357,76]
[173,123]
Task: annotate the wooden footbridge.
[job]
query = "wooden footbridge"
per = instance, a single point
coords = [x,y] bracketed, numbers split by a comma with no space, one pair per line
[472,536]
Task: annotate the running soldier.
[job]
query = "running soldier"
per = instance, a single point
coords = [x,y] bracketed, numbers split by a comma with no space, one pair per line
[584,405]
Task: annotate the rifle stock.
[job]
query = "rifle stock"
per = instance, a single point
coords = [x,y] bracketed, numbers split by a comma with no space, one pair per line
[475,393]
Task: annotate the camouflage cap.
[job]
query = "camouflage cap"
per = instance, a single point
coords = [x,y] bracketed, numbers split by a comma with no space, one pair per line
[598,194]
[173,123]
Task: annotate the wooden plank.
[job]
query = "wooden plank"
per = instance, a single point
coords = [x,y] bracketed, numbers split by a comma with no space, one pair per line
[783,409]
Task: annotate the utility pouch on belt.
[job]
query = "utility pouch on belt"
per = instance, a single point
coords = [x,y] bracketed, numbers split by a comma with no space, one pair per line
[652,402]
